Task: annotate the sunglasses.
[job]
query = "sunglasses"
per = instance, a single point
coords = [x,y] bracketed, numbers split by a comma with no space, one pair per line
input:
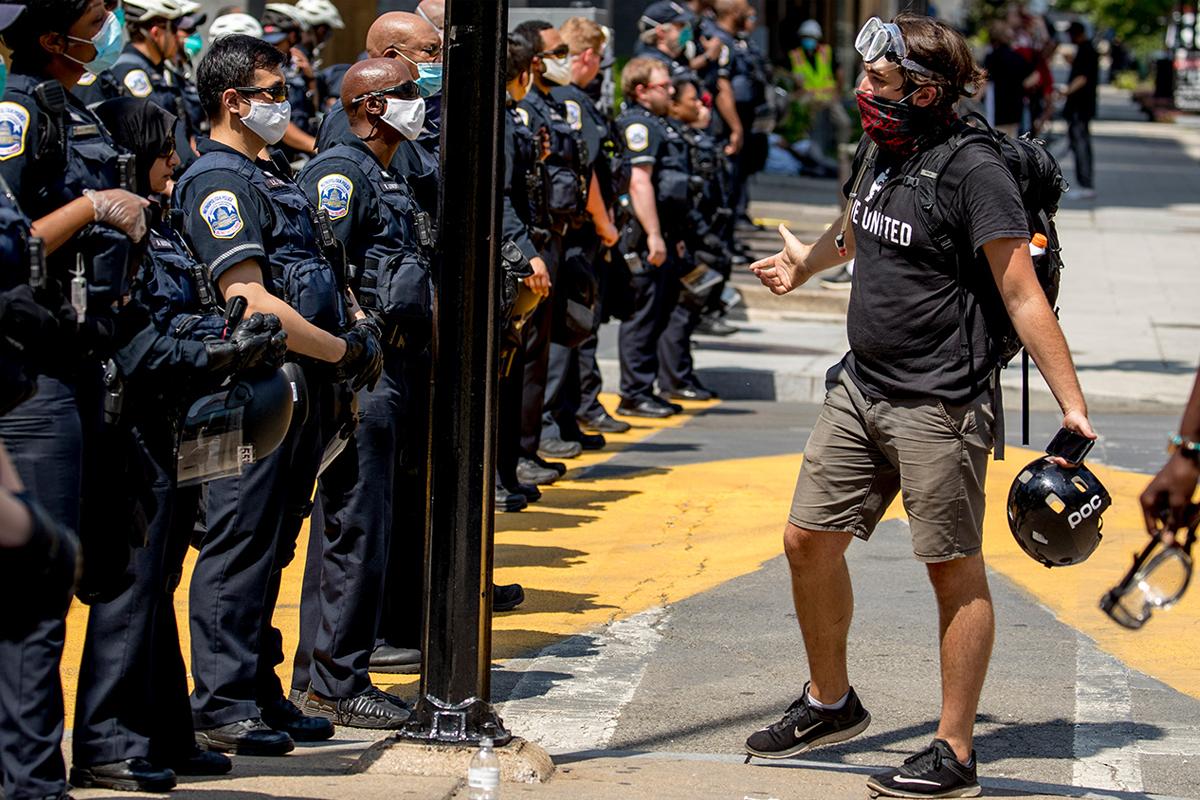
[408,90]
[562,51]
[278,93]
[168,148]
[665,85]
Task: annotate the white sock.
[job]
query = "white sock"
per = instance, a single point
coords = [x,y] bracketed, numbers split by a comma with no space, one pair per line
[812,701]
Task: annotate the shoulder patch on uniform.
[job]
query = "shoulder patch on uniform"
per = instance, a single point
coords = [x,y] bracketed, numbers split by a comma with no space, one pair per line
[574,115]
[334,192]
[87,79]
[14,124]
[524,115]
[138,83]
[221,214]
[637,137]
[723,59]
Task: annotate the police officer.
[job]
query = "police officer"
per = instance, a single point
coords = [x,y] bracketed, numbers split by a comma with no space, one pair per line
[588,235]
[87,227]
[660,193]
[143,69]
[283,27]
[563,200]
[182,67]
[133,726]
[749,79]
[261,239]
[99,84]
[387,246]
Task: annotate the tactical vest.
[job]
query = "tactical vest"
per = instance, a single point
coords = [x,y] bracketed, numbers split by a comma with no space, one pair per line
[176,288]
[162,91]
[14,240]
[672,171]
[76,153]
[393,282]
[560,180]
[300,271]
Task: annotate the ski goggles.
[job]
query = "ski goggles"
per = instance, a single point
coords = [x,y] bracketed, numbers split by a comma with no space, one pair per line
[879,39]
[1157,580]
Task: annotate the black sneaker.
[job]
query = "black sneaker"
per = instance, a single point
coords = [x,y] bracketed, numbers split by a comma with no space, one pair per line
[365,710]
[506,597]
[604,423]
[933,772]
[804,727]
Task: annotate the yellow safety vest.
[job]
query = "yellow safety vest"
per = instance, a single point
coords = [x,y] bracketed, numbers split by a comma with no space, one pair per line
[816,73]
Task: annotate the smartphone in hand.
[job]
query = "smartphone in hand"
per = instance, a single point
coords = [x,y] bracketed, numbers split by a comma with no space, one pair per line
[1070,446]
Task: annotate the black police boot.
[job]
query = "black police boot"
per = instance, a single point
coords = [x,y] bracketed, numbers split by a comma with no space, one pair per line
[675,407]
[692,393]
[201,762]
[558,448]
[605,423]
[282,715]
[395,660]
[715,325]
[529,471]
[645,407]
[130,775]
[246,737]
[365,710]
[510,499]
[508,597]
[589,441]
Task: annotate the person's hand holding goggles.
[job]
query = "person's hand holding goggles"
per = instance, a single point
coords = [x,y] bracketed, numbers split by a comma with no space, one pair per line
[1159,576]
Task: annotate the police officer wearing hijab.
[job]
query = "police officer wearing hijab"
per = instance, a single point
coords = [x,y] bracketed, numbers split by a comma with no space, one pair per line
[133,726]
[374,217]
[261,239]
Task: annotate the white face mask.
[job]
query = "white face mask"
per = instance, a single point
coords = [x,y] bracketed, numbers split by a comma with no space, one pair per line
[268,120]
[406,116]
[558,71]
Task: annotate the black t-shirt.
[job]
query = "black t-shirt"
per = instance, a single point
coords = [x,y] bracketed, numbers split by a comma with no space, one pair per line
[1083,102]
[1007,70]
[905,313]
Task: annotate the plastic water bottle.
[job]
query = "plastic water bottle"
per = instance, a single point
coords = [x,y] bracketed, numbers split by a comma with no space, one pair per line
[1037,245]
[483,776]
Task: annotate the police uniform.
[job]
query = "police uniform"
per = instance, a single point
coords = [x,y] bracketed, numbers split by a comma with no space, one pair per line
[303,104]
[140,77]
[133,696]
[562,201]
[94,89]
[650,140]
[717,70]
[237,209]
[570,366]
[48,162]
[674,67]
[387,241]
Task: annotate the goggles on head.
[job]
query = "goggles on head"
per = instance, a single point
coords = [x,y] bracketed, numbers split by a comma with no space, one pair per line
[879,39]
[1157,580]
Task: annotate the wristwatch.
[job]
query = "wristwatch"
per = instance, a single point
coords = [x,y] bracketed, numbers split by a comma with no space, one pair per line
[1188,447]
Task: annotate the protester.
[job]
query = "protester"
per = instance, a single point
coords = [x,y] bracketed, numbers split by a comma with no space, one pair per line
[1009,77]
[1080,108]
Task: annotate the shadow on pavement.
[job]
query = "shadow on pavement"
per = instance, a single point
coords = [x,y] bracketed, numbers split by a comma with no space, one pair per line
[528,555]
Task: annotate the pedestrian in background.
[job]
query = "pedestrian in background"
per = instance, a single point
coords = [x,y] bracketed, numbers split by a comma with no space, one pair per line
[1080,107]
[1010,77]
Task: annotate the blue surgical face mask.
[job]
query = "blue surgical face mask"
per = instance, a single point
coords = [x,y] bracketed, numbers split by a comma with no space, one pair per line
[193,44]
[108,43]
[429,75]
[119,13]
[3,76]
[685,36]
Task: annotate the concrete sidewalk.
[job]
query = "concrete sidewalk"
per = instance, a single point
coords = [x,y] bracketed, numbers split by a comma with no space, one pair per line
[1129,290]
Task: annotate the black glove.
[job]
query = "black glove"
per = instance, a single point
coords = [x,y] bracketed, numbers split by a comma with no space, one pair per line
[22,318]
[256,341]
[48,563]
[363,361]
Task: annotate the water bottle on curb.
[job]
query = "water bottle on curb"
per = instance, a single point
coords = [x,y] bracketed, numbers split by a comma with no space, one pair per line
[483,776]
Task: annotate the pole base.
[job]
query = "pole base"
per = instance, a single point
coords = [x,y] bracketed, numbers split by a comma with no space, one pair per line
[520,761]
[436,721]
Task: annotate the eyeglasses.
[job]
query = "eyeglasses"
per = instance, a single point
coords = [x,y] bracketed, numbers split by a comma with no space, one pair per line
[879,39]
[278,93]
[408,90]
[562,51]
[665,85]
[168,148]
[1157,580]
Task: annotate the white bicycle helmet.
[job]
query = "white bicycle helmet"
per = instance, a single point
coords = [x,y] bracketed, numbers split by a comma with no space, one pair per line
[234,23]
[811,28]
[289,11]
[320,12]
[138,10]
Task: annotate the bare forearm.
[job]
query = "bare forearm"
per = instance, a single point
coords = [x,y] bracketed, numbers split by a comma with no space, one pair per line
[1075,85]
[1044,340]
[595,204]
[726,106]
[302,336]
[641,192]
[56,228]
[1189,426]
[824,253]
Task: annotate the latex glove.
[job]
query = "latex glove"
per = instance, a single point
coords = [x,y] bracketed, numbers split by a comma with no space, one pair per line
[120,209]
[362,362]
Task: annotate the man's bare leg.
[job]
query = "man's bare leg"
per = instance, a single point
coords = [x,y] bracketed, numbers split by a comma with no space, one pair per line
[967,626]
[824,603]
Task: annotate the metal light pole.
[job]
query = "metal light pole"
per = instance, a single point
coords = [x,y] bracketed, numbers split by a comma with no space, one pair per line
[454,704]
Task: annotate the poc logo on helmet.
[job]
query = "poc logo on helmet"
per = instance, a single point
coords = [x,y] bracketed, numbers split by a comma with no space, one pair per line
[1088,508]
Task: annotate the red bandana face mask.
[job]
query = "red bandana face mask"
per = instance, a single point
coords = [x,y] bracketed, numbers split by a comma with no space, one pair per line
[898,127]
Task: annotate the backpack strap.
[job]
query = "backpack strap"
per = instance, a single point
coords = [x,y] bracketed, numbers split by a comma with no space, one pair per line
[872,150]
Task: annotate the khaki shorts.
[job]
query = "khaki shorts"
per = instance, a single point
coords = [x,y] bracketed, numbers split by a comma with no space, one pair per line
[861,453]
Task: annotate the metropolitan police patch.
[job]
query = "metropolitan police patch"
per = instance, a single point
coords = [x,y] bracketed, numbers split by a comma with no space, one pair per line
[524,115]
[637,137]
[87,79]
[334,193]
[574,115]
[14,123]
[138,83]
[221,214]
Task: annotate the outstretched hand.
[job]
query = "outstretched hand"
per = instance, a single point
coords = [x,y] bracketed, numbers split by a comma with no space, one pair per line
[783,271]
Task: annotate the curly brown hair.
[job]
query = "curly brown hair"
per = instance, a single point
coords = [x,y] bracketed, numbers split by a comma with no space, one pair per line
[935,45]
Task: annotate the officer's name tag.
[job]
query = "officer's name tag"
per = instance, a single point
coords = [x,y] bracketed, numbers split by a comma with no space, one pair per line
[221,214]
[14,124]
[333,194]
